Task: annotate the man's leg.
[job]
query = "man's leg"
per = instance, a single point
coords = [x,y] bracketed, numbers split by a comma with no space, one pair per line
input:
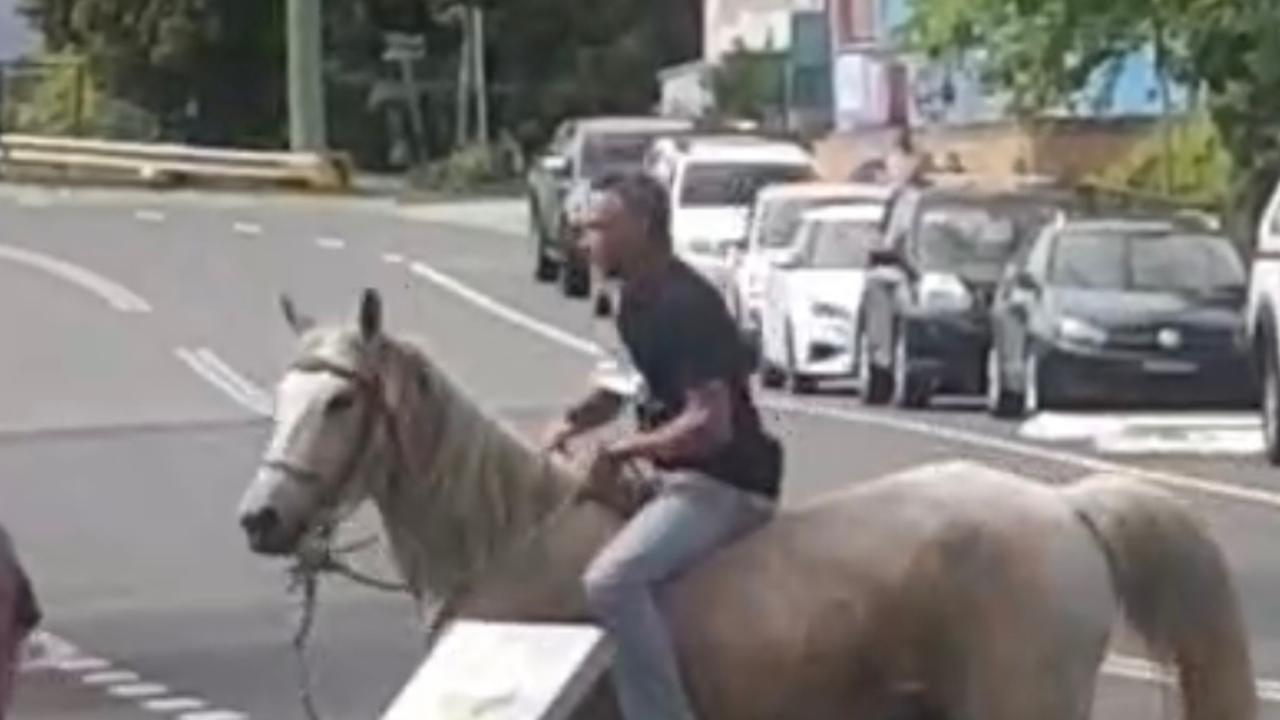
[689,518]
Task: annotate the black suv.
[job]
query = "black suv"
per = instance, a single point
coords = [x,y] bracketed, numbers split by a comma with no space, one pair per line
[924,325]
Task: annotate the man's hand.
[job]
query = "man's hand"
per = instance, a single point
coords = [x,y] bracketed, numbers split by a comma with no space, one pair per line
[556,436]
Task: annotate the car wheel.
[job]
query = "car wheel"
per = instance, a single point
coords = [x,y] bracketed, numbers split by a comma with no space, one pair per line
[1271,404]
[908,391]
[797,382]
[875,383]
[575,277]
[544,268]
[1001,401]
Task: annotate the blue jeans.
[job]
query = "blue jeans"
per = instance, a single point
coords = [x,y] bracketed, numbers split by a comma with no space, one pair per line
[691,517]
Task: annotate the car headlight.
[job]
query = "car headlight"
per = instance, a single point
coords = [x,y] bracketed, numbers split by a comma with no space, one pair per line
[1075,330]
[944,291]
[828,311]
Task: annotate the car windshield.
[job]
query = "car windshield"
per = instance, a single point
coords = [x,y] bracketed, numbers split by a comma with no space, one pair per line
[841,243]
[1147,261]
[605,153]
[976,240]
[780,217]
[721,184]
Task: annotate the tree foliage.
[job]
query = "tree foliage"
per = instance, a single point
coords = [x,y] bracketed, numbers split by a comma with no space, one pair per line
[224,60]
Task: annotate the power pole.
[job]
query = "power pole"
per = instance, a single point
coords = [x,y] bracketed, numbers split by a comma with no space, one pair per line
[481,82]
[463,125]
[305,21]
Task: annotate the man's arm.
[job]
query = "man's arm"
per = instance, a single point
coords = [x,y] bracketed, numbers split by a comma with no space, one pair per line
[702,428]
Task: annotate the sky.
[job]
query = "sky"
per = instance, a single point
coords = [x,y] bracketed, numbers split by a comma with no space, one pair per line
[15,37]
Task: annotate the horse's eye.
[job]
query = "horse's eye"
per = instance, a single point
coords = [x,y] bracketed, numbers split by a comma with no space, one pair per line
[339,403]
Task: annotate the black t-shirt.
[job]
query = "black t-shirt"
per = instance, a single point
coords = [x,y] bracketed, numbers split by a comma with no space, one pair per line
[681,336]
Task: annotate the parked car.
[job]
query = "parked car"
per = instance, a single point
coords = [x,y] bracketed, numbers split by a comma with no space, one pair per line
[1118,310]
[925,326]
[771,232]
[1263,316]
[559,184]
[712,182]
[813,296]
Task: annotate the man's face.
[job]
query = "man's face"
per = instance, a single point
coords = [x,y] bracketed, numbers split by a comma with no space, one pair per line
[612,235]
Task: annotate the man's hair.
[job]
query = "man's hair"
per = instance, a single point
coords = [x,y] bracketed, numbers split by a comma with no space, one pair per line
[645,198]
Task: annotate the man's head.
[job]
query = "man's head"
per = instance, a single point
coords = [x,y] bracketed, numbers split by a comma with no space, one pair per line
[628,223]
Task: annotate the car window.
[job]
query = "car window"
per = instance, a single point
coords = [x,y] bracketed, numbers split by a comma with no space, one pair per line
[605,153]
[720,184]
[1147,260]
[975,239]
[780,216]
[842,243]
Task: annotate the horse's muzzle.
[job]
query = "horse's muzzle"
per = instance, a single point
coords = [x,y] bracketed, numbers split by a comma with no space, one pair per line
[265,532]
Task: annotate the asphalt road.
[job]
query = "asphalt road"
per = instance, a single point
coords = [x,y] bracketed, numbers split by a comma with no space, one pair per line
[141,336]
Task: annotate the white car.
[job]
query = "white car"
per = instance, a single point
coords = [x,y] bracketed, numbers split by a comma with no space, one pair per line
[712,183]
[812,300]
[774,220]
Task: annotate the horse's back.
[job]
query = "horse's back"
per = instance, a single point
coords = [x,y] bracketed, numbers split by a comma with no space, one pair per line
[891,583]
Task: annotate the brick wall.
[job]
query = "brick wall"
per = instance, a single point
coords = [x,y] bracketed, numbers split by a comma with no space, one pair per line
[1070,148]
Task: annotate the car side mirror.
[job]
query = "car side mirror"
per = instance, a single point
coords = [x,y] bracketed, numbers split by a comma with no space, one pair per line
[884,257]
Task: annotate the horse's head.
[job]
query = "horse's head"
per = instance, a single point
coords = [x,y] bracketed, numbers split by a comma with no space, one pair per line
[330,431]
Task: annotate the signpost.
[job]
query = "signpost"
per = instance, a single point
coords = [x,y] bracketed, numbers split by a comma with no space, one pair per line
[406,50]
[501,671]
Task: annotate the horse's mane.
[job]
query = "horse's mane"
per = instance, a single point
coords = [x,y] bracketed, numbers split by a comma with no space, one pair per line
[471,484]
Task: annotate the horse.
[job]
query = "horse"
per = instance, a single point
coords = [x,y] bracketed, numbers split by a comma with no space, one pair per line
[951,593]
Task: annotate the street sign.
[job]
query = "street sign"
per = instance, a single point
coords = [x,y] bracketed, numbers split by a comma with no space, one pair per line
[504,671]
[403,46]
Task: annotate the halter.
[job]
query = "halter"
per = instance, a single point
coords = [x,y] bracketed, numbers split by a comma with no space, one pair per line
[374,409]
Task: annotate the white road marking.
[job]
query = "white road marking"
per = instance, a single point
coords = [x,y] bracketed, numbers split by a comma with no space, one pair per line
[331,243]
[1152,433]
[82,664]
[213,715]
[1013,447]
[205,363]
[110,677]
[247,228]
[137,691]
[392,258]
[47,651]
[149,216]
[509,314]
[174,704]
[1146,671]
[113,293]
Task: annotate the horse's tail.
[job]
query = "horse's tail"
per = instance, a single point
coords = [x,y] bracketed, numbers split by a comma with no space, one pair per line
[1176,590]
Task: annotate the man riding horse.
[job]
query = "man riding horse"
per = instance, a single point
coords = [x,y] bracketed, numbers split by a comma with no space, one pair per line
[718,471]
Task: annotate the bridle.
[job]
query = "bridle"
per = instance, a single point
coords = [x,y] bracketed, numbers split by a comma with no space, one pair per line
[373,410]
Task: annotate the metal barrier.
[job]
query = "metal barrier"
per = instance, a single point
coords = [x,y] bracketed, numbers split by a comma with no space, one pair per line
[171,164]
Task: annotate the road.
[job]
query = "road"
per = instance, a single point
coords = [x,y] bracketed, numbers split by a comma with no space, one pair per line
[142,340]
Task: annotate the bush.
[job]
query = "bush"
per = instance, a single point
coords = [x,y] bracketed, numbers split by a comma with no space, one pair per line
[1201,167]
[470,168]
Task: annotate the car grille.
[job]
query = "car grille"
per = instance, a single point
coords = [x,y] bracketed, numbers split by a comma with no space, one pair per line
[1146,337]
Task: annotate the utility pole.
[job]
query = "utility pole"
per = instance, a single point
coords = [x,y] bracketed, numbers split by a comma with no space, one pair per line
[462,127]
[305,21]
[481,82]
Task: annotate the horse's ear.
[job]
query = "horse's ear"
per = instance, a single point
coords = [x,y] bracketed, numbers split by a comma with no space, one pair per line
[297,321]
[370,314]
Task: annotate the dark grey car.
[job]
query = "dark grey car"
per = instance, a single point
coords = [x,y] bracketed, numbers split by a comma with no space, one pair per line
[559,181]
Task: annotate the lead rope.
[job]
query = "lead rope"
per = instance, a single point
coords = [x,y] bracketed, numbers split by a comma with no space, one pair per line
[317,556]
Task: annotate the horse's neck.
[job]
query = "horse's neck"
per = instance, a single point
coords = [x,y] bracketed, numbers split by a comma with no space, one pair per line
[470,495]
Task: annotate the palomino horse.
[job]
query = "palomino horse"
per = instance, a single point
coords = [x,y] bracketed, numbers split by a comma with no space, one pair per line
[955,594]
